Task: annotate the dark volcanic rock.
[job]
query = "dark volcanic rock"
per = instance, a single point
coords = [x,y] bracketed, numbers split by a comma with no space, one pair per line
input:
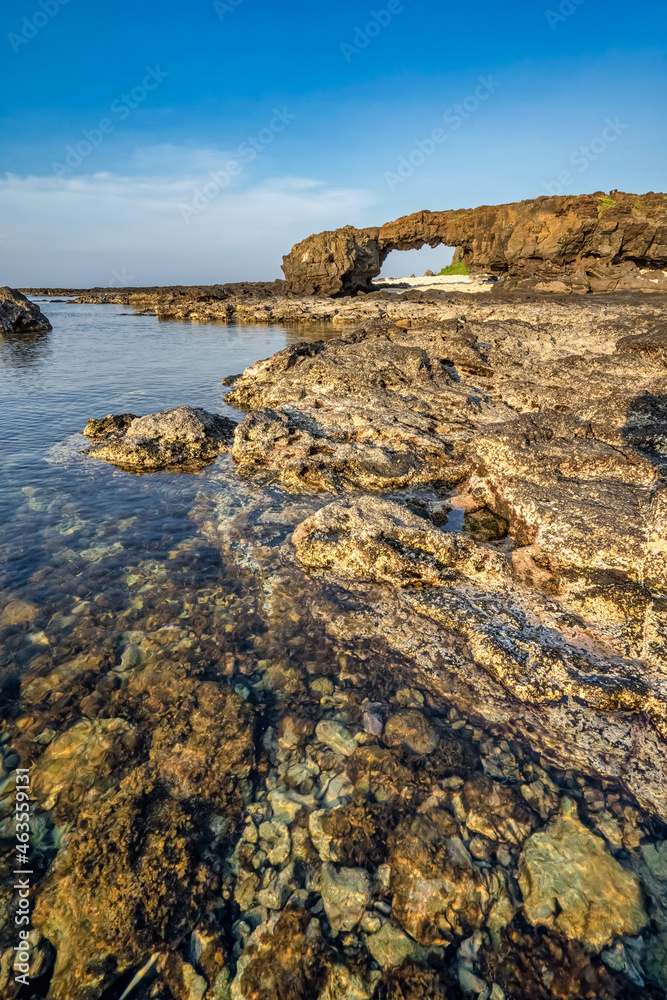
[18,315]
[183,437]
[583,243]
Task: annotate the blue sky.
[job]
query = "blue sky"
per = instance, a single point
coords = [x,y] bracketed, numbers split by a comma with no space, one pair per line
[179,142]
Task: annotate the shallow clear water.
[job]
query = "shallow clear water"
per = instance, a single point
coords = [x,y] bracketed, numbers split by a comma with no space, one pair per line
[99,360]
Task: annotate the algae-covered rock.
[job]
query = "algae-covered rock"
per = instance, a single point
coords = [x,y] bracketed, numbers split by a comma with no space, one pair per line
[138,868]
[285,957]
[275,840]
[344,984]
[205,748]
[390,946]
[131,880]
[412,728]
[495,811]
[79,764]
[438,894]
[569,880]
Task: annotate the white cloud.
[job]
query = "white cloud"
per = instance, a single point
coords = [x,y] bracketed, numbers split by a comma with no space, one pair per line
[78,231]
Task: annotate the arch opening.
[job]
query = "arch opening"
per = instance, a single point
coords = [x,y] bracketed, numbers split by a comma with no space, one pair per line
[406,263]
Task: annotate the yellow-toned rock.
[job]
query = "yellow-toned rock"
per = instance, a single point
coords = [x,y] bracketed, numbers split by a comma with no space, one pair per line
[570,880]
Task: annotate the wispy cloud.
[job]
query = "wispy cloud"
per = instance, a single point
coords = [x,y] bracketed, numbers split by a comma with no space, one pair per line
[71,231]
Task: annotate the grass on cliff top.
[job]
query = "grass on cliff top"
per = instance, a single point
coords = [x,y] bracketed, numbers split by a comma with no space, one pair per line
[459,268]
[605,203]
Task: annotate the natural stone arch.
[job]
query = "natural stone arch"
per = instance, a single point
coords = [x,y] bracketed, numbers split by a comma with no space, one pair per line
[592,242]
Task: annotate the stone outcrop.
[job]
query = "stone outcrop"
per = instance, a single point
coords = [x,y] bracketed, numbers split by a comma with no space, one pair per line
[18,315]
[583,243]
[383,542]
[183,438]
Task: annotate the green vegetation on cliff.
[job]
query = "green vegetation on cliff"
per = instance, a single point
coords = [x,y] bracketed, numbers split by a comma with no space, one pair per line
[459,268]
[605,203]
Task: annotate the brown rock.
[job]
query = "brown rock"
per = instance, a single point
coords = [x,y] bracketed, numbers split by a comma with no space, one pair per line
[412,728]
[583,243]
[18,613]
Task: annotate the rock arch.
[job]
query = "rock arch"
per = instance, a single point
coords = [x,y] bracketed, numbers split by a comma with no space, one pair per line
[583,243]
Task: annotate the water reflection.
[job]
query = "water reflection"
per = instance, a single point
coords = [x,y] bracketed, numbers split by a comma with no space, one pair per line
[25,353]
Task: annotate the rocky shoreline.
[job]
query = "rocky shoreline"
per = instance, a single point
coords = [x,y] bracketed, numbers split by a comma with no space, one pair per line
[259,303]
[406,739]
[550,441]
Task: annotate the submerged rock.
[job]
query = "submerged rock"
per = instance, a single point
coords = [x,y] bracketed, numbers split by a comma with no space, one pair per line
[390,946]
[131,879]
[79,764]
[346,893]
[184,437]
[438,894]
[140,864]
[286,956]
[18,315]
[412,728]
[569,880]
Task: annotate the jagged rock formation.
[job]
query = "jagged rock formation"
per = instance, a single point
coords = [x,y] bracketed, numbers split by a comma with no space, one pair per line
[184,437]
[18,315]
[583,243]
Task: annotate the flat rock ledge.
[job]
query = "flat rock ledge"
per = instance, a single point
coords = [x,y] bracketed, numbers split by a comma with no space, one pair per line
[537,435]
[18,315]
[180,438]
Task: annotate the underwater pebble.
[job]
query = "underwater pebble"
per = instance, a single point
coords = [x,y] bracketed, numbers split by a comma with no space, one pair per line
[412,728]
[345,893]
[336,736]
[275,840]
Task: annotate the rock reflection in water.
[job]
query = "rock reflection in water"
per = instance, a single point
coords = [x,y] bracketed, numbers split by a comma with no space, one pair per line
[27,353]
